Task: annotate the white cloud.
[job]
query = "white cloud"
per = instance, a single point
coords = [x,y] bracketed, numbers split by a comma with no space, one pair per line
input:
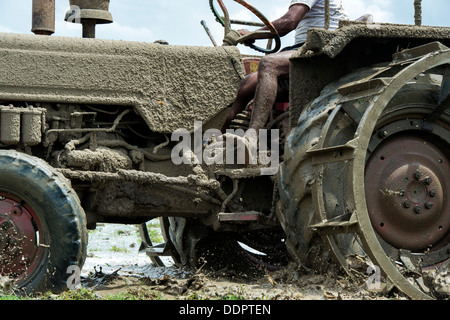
[5,29]
[178,21]
[113,31]
[380,9]
[117,31]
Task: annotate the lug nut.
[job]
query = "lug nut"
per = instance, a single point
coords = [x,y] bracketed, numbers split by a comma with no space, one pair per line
[417,209]
[417,175]
[429,205]
[407,204]
[6,225]
[428,181]
[432,193]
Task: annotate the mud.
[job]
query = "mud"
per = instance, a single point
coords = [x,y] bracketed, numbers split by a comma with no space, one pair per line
[170,86]
[114,266]
[215,286]
[331,43]
[287,284]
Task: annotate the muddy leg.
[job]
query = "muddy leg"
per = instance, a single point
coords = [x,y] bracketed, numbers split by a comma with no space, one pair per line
[272,67]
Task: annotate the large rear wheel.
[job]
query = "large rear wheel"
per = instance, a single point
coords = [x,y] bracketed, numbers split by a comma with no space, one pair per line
[376,171]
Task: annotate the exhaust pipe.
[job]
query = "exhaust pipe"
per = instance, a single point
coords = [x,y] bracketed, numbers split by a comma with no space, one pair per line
[43,17]
[89,13]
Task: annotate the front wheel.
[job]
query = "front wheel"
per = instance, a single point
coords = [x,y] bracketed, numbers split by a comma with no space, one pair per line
[42,224]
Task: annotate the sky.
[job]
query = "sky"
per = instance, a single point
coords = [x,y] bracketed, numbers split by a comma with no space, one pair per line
[178,21]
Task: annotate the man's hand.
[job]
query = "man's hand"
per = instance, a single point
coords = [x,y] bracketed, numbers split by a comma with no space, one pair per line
[244,32]
[231,39]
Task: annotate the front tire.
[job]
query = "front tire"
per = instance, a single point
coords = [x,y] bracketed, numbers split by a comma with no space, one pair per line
[42,224]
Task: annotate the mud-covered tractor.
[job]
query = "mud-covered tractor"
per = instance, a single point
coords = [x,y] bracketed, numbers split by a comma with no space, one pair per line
[91,132]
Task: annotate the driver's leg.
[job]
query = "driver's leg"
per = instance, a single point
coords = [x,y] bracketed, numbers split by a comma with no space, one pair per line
[271,68]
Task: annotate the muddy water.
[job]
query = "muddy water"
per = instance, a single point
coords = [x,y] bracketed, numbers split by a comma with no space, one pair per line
[114,250]
[114,247]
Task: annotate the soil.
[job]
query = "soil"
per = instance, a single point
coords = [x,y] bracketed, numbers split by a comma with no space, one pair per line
[115,267]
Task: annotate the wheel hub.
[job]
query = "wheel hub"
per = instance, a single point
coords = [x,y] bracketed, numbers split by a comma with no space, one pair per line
[407,193]
[17,237]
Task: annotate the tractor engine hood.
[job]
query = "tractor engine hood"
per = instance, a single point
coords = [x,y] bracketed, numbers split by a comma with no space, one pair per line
[169,86]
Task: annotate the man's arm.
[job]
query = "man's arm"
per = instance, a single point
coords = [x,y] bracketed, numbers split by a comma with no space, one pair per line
[291,19]
[287,23]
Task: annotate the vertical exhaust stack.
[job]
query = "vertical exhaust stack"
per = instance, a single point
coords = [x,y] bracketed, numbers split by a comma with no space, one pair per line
[43,17]
[89,13]
[418,12]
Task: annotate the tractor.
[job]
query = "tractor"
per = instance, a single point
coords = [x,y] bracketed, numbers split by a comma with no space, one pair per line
[100,131]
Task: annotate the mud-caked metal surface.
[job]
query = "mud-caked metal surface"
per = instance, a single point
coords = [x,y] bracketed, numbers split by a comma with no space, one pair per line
[169,86]
[410,211]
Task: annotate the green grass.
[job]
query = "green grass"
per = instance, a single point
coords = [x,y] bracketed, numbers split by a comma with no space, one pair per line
[117,249]
[4,296]
[154,231]
[131,293]
[230,295]
[88,295]
[137,294]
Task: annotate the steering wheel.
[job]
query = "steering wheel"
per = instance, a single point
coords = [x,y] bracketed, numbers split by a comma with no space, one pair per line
[226,23]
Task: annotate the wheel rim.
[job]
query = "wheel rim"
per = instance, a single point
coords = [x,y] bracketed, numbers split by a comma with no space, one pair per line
[20,235]
[406,193]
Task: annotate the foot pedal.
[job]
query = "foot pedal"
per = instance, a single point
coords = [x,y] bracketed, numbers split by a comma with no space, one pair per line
[155,251]
[239,216]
